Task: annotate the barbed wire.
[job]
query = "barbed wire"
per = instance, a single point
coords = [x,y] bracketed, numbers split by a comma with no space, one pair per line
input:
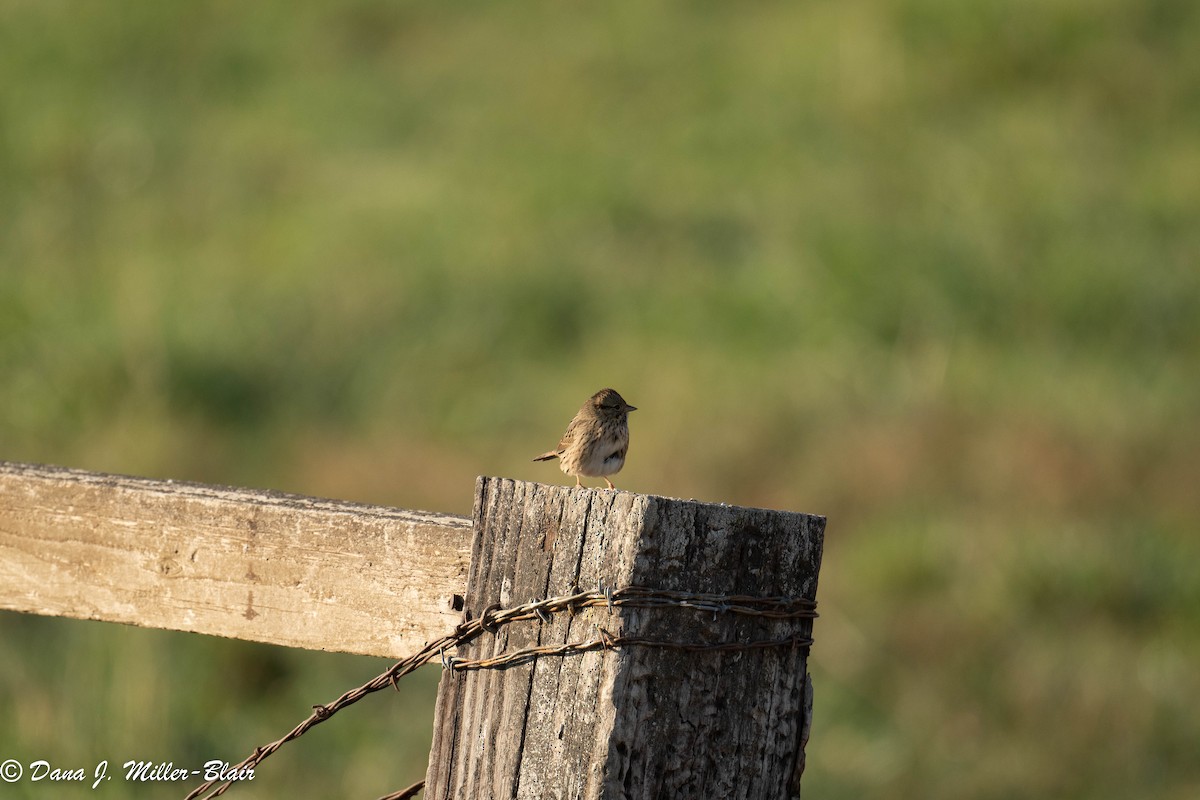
[608,641]
[494,616]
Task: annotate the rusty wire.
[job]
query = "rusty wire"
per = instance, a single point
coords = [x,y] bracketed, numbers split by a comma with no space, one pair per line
[607,641]
[494,616]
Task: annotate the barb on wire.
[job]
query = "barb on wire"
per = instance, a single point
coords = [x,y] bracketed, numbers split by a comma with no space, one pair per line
[494,616]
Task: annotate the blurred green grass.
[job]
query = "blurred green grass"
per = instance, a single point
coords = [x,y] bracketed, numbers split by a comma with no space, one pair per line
[928,268]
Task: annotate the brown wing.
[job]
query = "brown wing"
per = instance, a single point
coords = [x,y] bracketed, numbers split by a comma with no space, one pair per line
[563,443]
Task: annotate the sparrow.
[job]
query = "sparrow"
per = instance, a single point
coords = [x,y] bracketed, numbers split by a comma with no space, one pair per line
[597,439]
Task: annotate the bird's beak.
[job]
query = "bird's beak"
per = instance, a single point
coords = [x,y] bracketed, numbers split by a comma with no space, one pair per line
[629,408]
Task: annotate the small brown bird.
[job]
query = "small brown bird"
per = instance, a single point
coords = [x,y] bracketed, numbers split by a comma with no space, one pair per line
[596,440]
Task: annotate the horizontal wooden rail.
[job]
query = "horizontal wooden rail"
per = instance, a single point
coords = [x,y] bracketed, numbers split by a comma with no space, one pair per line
[257,565]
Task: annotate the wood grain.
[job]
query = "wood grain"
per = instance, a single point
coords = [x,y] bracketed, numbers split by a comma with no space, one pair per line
[256,565]
[635,722]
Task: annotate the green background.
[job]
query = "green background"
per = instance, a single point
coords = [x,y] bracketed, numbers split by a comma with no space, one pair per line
[929,268]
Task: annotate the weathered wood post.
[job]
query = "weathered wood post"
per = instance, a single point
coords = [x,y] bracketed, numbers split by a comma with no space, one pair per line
[642,719]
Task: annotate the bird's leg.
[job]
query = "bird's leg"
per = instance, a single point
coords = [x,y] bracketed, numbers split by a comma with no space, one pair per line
[578,485]
[610,483]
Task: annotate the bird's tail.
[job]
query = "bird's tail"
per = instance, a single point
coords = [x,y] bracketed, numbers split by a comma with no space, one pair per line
[547,456]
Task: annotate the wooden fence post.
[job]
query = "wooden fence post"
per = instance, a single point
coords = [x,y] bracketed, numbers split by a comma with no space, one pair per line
[634,721]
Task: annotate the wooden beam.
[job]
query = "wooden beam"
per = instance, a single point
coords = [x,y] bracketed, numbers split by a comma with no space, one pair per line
[635,722]
[257,565]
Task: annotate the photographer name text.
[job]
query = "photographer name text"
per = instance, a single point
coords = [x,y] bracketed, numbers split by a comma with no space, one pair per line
[12,771]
